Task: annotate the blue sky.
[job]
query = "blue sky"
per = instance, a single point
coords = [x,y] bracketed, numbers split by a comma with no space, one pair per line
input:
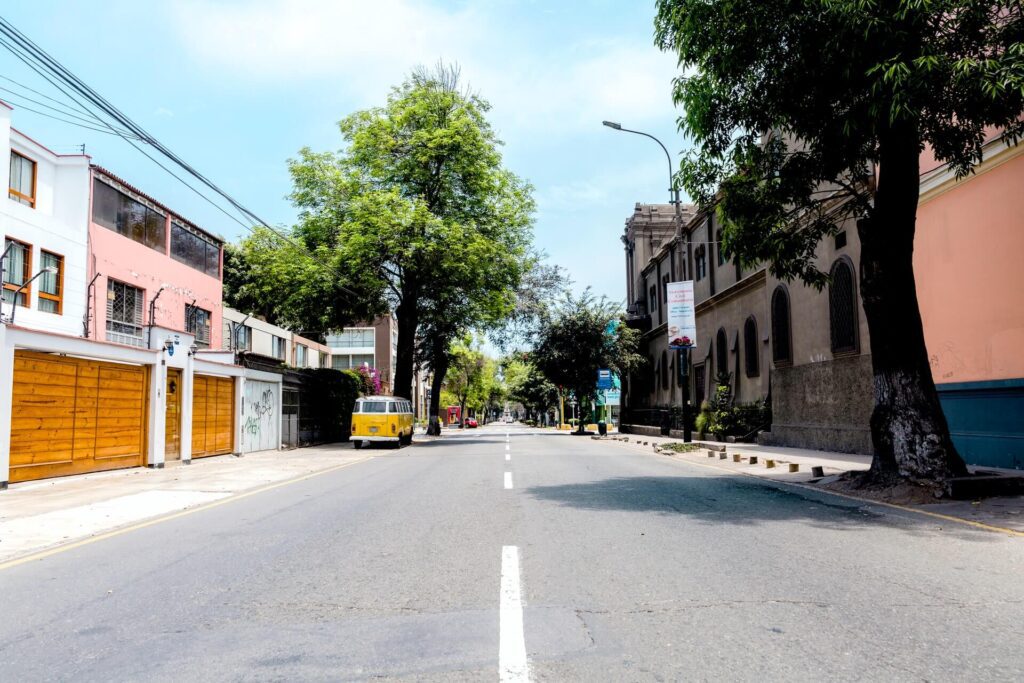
[236,88]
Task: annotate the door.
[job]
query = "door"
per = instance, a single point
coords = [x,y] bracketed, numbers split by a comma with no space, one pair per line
[261,417]
[213,408]
[72,415]
[172,424]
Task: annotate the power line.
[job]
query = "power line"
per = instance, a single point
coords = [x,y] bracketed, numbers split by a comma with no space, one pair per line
[38,60]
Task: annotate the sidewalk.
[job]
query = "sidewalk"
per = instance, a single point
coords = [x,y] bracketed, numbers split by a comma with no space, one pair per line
[36,516]
[1005,512]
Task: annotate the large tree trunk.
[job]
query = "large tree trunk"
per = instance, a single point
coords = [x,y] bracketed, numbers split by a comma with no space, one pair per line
[408,321]
[439,365]
[908,428]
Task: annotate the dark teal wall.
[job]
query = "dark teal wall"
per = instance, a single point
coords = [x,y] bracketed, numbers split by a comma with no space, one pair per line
[987,421]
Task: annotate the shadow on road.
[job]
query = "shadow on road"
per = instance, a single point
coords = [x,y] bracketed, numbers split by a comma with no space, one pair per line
[732,500]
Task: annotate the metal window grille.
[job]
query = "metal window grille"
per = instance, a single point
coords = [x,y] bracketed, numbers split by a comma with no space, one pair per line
[781,344]
[842,308]
[750,347]
[124,313]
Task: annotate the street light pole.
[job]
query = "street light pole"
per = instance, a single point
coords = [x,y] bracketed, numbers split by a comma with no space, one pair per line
[682,355]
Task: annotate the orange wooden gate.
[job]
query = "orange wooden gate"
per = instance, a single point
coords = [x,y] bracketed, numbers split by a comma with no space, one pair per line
[72,415]
[213,409]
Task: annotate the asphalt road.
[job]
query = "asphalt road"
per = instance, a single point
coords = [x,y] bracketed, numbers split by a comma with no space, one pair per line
[601,562]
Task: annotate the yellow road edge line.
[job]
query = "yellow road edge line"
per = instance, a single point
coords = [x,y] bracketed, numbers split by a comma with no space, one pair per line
[895,506]
[42,554]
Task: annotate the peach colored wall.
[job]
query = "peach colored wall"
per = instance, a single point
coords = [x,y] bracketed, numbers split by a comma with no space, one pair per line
[120,258]
[970,276]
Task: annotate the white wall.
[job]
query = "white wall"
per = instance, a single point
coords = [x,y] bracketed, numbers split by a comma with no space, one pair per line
[262,333]
[58,223]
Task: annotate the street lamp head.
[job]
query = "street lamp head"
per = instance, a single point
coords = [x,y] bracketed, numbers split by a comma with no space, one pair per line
[52,270]
[612,124]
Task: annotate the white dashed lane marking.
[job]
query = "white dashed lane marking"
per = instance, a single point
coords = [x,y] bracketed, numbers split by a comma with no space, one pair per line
[512,664]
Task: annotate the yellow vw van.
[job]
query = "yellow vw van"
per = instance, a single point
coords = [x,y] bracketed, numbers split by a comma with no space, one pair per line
[381,418]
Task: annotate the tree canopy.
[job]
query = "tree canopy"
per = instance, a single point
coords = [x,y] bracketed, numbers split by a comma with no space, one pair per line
[416,215]
[580,337]
[805,113]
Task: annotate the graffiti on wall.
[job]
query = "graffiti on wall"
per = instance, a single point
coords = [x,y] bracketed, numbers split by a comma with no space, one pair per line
[261,423]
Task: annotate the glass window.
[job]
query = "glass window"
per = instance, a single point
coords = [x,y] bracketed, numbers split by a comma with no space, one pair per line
[392,406]
[243,337]
[751,347]
[195,250]
[278,347]
[197,323]
[359,359]
[124,313]
[17,270]
[700,263]
[781,342]
[375,406]
[300,355]
[127,216]
[842,308]
[23,180]
[352,337]
[721,353]
[720,247]
[51,283]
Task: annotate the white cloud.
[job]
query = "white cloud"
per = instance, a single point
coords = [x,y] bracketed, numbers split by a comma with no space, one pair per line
[367,47]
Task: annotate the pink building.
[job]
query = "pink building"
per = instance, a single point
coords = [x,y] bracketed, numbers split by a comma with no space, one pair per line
[149,267]
[967,262]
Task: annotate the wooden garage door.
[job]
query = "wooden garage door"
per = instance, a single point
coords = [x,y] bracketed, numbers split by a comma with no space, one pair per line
[213,408]
[71,415]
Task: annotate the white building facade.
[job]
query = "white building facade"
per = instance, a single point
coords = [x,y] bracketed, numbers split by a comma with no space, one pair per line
[44,220]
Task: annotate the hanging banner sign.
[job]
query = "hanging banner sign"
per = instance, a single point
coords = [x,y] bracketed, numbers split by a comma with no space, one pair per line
[682,319]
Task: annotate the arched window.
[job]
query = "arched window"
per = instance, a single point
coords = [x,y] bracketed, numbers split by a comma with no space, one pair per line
[782,347]
[700,263]
[721,249]
[721,353]
[664,370]
[751,348]
[842,307]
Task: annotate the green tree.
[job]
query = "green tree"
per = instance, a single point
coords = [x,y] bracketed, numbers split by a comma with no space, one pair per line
[808,112]
[416,214]
[465,377]
[575,343]
[529,386]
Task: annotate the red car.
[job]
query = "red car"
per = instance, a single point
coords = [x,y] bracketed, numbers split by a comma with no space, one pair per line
[471,423]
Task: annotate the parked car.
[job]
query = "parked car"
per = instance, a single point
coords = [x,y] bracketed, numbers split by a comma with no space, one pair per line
[381,419]
[471,423]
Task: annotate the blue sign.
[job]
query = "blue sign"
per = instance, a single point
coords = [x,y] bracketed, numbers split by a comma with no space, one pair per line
[604,379]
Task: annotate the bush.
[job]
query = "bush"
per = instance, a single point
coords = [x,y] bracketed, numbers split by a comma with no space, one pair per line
[701,423]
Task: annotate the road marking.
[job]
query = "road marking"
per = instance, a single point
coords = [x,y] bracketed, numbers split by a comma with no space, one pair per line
[508,457]
[199,508]
[507,447]
[512,664]
[508,480]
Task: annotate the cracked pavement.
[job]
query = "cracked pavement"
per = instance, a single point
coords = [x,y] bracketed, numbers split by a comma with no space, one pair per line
[634,567]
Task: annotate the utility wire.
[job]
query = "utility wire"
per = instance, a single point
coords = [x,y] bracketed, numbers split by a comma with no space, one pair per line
[37,57]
